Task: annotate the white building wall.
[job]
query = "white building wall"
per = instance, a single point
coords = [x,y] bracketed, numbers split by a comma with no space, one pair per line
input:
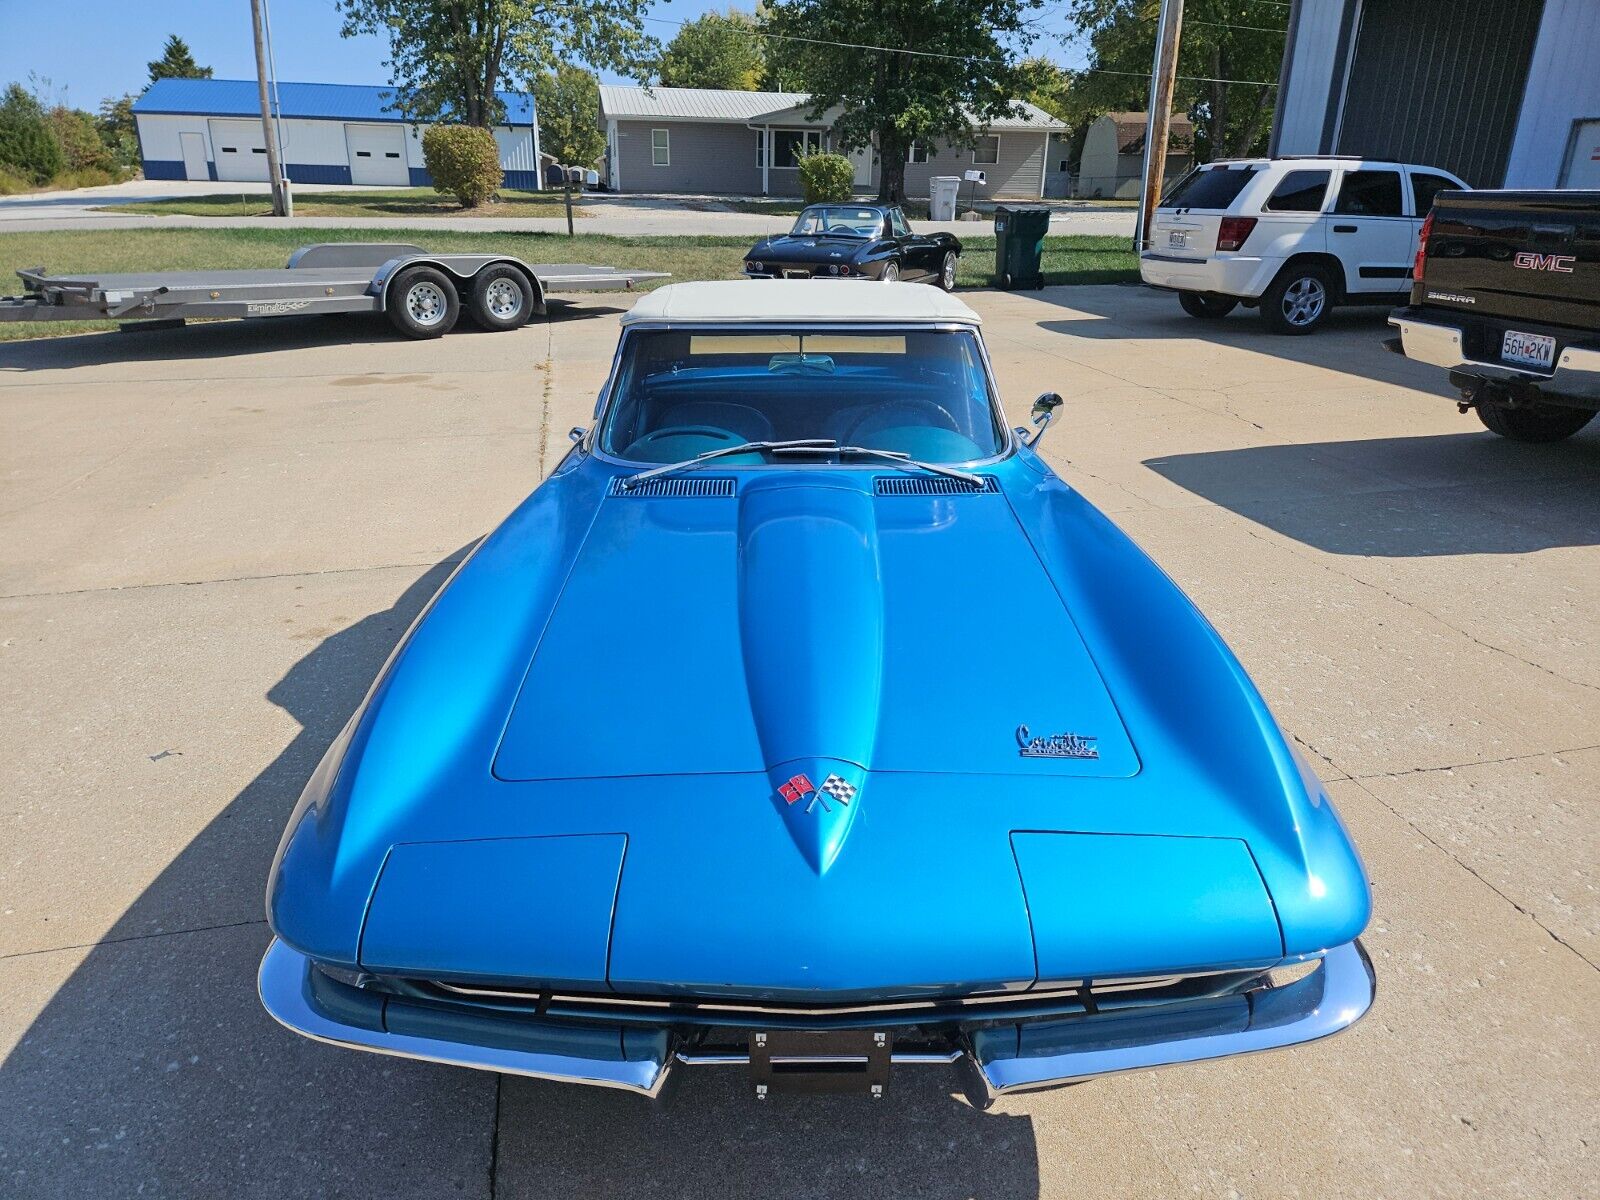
[316,151]
[1563,87]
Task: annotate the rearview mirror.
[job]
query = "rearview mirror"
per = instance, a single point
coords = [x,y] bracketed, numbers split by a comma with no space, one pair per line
[1044,411]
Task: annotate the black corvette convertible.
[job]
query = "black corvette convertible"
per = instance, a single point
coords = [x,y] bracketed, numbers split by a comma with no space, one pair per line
[856,241]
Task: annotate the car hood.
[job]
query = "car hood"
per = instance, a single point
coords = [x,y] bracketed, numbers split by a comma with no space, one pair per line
[763,734]
[810,248]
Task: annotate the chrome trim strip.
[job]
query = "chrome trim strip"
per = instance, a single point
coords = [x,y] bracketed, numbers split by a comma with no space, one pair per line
[1328,1000]
[284,986]
[692,1058]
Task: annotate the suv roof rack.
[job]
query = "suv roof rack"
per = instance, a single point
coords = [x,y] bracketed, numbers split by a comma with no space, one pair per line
[1335,157]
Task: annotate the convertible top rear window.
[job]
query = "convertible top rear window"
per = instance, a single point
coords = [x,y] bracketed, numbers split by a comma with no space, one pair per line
[921,392]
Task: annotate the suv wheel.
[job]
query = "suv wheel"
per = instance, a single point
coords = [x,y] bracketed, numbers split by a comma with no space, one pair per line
[1298,300]
[1547,424]
[1208,306]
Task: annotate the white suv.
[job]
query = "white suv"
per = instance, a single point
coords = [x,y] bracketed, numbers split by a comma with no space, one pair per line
[1293,235]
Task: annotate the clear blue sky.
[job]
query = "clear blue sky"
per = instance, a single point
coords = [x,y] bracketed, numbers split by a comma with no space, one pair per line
[95,48]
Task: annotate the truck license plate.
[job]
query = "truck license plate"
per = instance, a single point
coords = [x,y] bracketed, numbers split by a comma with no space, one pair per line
[1178,239]
[1531,349]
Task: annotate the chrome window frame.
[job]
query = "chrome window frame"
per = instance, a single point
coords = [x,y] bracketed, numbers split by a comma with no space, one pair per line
[608,393]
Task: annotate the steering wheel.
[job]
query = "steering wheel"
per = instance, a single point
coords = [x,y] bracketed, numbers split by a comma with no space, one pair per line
[707,431]
[923,412]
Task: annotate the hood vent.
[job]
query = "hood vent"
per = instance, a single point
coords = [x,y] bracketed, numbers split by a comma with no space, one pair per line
[676,487]
[932,485]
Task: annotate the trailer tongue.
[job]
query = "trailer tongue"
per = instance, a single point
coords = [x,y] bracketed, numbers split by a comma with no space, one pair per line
[421,293]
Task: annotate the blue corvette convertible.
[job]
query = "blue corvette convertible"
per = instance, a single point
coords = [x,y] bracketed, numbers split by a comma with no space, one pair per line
[804,720]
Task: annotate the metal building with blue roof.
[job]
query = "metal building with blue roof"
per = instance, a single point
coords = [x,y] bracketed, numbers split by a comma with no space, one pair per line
[332,133]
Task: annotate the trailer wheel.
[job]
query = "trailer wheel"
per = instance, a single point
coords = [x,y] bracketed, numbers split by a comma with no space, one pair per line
[501,298]
[423,302]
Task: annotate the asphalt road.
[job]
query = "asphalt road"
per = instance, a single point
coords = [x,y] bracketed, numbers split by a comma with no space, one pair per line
[626,215]
[210,538]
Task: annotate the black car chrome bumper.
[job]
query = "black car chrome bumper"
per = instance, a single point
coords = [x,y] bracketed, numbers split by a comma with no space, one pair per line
[996,1058]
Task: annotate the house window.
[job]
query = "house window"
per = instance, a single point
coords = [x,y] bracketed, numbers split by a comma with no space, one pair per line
[761,147]
[660,148]
[916,153]
[789,146]
[986,151]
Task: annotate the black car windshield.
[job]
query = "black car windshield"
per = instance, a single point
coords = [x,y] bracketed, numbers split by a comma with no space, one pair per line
[845,219]
[922,392]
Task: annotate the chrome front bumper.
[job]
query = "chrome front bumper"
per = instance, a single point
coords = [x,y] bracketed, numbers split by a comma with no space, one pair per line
[1576,371]
[993,1061]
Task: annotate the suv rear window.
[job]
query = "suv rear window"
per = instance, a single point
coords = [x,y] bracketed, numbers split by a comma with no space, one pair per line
[1370,194]
[1209,187]
[1299,191]
[1425,187]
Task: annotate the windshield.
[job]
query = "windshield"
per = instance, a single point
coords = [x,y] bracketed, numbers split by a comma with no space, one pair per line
[839,219]
[922,393]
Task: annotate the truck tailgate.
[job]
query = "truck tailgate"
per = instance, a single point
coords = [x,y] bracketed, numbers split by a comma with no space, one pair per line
[1526,257]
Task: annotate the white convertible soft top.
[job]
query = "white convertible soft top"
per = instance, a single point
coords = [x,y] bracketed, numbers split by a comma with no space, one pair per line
[835,301]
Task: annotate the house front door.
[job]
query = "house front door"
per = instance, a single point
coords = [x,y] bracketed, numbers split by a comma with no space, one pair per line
[861,160]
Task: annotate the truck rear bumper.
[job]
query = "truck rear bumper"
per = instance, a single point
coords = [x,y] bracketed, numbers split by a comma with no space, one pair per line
[1576,373]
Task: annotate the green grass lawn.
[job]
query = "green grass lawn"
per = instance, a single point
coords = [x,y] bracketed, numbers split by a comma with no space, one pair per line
[412,202]
[1070,260]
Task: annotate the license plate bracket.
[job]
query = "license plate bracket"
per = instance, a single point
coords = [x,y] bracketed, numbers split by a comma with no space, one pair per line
[1178,239]
[1528,349]
[847,1061]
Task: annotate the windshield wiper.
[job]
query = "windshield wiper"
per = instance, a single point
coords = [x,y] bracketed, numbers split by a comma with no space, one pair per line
[689,464]
[893,456]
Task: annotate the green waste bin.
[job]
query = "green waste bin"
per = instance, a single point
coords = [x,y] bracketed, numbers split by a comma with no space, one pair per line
[1019,231]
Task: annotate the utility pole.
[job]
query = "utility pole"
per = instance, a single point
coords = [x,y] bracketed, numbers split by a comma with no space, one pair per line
[1163,79]
[280,207]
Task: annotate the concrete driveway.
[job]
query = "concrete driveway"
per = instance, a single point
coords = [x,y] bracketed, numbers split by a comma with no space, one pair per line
[210,538]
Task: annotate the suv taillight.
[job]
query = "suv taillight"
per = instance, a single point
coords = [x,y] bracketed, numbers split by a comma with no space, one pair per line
[1233,231]
[1422,248]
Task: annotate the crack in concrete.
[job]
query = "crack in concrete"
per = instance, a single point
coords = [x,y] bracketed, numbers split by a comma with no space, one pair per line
[132,937]
[1479,762]
[1469,869]
[185,583]
[1423,609]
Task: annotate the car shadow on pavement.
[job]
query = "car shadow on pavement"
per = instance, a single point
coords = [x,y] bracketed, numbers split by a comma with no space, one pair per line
[154,1070]
[1464,493]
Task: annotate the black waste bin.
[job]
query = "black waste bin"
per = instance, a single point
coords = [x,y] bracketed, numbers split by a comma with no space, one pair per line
[1019,231]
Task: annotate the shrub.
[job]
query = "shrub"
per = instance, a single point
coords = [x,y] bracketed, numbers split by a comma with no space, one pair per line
[12,184]
[826,178]
[464,162]
[80,143]
[27,146]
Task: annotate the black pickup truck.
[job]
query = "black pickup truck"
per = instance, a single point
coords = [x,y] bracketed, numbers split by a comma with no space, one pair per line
[1505,295]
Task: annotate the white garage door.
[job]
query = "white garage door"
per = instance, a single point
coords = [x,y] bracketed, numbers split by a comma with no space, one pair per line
[241,150]
[377,154]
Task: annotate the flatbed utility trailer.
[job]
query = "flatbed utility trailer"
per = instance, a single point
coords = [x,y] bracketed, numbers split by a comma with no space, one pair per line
[422,293]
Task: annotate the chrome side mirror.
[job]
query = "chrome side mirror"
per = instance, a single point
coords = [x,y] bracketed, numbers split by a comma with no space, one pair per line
[576,434]
[1044,411]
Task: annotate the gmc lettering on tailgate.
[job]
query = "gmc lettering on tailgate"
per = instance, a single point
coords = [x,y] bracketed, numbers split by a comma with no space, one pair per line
[1529,261]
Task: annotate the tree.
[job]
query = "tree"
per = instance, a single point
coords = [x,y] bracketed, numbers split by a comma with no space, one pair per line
[716,50]
[27,147]
[81,147]
[447,58]
[891,99]
[1221,39]
[177,62]
[117,129]
[568,99]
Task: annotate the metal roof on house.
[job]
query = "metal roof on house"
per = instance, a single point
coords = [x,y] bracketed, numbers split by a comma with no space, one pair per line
[312,101]
[619,103]
[1131,128]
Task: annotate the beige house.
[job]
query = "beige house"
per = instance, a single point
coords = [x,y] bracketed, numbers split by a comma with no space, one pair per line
[712,142]
[1112,164]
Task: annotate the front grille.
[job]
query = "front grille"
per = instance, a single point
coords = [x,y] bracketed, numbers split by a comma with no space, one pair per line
[932,485]
[676,487]
[946,1013]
